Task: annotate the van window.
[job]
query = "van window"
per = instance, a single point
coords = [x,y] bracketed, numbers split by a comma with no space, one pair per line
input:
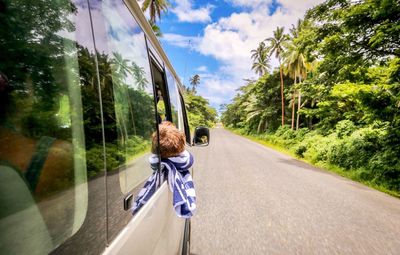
[154,54]
[185,120]
[43,186]
[176,105]
[131,100]
[128,106]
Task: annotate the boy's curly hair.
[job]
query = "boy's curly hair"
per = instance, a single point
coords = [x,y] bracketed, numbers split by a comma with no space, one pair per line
[172,140]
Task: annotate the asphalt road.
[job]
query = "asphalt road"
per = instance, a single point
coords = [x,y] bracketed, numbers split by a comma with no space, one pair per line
[254,200]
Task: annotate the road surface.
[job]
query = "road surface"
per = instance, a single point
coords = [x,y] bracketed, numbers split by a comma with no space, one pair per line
[254,200]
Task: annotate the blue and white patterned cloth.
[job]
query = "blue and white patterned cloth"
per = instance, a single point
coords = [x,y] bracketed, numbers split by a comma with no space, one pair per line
[180,182]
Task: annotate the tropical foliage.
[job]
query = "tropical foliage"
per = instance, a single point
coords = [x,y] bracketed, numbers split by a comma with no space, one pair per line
[195,81]
[341,66]
[199,111]
[261,60]
[276,45]
[156,29]
[155,7]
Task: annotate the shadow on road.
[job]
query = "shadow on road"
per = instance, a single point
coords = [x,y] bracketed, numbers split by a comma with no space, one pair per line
[304,165]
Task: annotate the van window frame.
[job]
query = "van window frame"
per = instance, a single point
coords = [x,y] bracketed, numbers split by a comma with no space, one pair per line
[185,120]
[164,87]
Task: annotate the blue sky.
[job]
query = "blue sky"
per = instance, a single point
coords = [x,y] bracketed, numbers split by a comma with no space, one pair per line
[214,39]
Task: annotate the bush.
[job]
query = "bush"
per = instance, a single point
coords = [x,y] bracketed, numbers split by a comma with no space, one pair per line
[356,150]
[318,146]
[300,149]
[94,160]
[345,128]
[385,168]
[301,133]
[135,145]
[282,130]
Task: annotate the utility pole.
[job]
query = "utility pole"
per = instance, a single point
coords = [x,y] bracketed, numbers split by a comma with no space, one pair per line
[190,50]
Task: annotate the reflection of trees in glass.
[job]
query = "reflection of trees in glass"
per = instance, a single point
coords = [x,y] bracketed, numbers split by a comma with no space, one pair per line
[128,111]
[122,68]
[123,93]
[41,120]
[39,65]
[140,76]
[133,107]
[32,57]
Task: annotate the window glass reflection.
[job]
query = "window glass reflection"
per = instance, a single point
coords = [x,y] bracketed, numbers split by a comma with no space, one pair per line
[176,106]
[43,190]
[132,96]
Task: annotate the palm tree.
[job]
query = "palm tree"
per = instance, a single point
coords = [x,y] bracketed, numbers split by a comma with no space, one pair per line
[256,110]
[156,29]
[261,66]
[290,69]
[297,63]
[294,61]
[261,60]
[140,76]
[262,49]
[296,66]
[276,45]
[295,30]
[121,70]
[120,66]
[155,8]
[194,81]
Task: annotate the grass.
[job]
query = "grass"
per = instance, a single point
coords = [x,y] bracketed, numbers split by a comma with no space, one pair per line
[353,175]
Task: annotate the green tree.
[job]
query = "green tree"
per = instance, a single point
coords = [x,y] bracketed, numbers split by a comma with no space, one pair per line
[200,113]
[194,81]
[296,65]
[353,35]
[120,66]
[156,29]
[260,60]
[140,76]
[254,108]
[276,45]
[155,7]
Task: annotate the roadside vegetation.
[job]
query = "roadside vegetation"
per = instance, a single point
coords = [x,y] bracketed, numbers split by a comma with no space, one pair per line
[334,100]
[199,111]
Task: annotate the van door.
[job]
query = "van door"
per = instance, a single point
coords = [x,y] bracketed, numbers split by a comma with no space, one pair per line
[128,108]
[51,165]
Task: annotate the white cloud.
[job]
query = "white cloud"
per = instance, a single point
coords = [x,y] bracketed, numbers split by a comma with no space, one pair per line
[216,88]
[250,3]
[230,40]
[185,12]
[180,40]
[202,69]
[122,37]
[296,5]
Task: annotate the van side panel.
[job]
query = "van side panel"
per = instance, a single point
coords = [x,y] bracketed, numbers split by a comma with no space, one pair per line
[154,230]
[52,183]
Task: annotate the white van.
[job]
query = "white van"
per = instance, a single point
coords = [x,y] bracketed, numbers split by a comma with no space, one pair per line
[83,85]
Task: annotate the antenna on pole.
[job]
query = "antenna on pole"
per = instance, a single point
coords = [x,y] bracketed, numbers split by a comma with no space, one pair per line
[190,50]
